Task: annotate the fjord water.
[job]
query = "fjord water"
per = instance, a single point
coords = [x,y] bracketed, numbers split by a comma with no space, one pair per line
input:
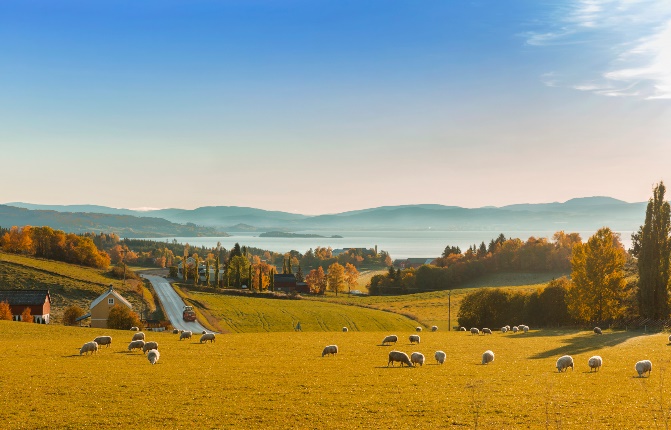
[399,244]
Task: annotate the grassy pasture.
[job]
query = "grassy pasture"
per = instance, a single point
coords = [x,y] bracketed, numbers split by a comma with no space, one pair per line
[280,380]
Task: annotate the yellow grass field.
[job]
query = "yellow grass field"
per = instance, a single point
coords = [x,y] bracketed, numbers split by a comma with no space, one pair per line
[280,380]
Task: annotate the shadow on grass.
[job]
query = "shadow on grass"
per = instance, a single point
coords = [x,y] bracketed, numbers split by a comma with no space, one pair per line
[588,342]
[70,356]
[394,367]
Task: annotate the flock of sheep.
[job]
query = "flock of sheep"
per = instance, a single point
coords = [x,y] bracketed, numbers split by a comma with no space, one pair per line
[138,342]
[416,358]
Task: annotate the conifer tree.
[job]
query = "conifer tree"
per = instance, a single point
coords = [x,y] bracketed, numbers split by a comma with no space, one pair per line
[217,263]
[272,279]
[299,274]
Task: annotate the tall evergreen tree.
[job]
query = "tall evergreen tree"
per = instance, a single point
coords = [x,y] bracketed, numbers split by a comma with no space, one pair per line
[289,269]
[207,274]
[652,247]
[217,263]
[260,279]
[272,279]
[284,266]
[249,277]
[299,274]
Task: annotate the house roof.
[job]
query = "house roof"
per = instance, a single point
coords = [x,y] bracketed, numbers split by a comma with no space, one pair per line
[285,277]
[25,297]
[419,260]
[104,295]
[83,317]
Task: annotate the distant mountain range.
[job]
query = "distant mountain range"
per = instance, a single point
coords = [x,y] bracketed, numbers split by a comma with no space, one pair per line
[580,214]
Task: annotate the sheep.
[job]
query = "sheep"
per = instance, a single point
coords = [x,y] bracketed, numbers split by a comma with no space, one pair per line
[103,340]
[414,338]
[418,329]
[525,328]
[475,331]
[507,328]
[487,357]
[392,338]
[185,335]
[670,338]
[462,328]
[330,349]
[417,358]
[434,328]
[515,329]
[148,346]
[643,366]
[138,336]
[486,331]
[203,332]
[595,363]
[134,328]
[504,329]
[175,331]
[564,362]
[91,347]
[136,344]
[597,330]
[206,337]
[345,329]
[440,357]
[399,356]
[153,356]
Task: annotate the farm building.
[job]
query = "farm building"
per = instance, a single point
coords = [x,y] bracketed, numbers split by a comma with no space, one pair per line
[100,307]
[285,282]
[39,302]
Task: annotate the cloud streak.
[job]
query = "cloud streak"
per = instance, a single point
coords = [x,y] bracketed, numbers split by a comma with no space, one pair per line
[633,37]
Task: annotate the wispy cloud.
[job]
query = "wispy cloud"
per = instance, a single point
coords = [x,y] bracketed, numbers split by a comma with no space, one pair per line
[634,36]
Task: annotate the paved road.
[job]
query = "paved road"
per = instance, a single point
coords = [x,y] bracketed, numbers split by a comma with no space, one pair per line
[173,305]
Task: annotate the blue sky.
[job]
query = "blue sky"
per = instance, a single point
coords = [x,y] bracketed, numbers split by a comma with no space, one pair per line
[317,107]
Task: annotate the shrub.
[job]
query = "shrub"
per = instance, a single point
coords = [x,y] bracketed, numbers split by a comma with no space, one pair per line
[5,311]
[71,314]
[122,318]
[26,315]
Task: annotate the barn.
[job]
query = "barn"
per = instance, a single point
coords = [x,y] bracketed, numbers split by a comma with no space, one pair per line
[39,302]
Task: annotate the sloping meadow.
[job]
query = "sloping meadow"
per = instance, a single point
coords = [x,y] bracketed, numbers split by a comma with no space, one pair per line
[280,380]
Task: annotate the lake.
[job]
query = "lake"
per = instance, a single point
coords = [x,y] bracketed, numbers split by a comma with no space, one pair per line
[399,244]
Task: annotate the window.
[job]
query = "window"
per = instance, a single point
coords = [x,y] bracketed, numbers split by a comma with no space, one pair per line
[110,301]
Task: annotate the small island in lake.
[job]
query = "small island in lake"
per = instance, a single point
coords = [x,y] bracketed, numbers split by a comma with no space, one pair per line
[296,235]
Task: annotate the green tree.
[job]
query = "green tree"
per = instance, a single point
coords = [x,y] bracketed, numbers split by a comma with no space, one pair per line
[217,264]
[207,273]
[272,279]
[652,247]
[299,274]
[237,266]
[598,278]
[196,278]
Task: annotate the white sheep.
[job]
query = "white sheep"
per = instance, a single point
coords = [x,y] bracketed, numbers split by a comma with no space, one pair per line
[515,329]
[392,338]
[138,336]
[414,338]
[186,334]
[148,346]
[507,328]
[440,357]
[595,363]
[399,356]
[91,347]
[103,340]
[475,331]
[153,356]
[206,337]
[330,350]
[134,329]
[487,357]
[434,328]
[135,344]
[417,358]
[504,329]
[462,328]
[345,329]
[597,330]
[525,328]
[564,362]
[643,366]
[418,329]
[486,331]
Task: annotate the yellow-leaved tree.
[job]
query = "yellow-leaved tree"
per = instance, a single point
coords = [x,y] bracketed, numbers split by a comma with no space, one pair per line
[336,277]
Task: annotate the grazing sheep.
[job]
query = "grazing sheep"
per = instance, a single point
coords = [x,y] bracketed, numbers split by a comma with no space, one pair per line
[345,330]
[134,329]
[525,328]
[515,329]
[148,346]
[564,362]
[462,328]
[136,344]
[418,329]
[507,328]
[597,330]
[417,358]
[153,356]
[475,331]
[504,329]
[487,357]
[414,338]
[486,331]
[643,366]
[203,332]
[103,340]
[138,336]
[185,335]
[330,349]
[440,356]
[392,338]
[206,337]
[91,347]
[595,363]
[399,356]
[434,328]
[175,331]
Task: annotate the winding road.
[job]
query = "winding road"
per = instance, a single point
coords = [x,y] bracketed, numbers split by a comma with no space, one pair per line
[173,304]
